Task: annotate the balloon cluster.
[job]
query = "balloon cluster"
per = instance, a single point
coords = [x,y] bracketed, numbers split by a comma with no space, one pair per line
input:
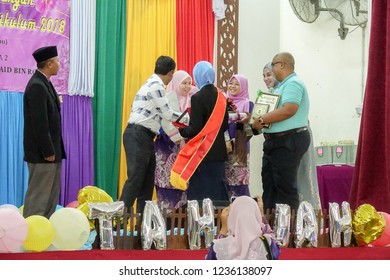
[307,228]
[67,229]
[154,228]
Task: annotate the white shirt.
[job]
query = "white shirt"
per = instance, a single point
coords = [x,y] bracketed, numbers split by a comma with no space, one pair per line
[150,105]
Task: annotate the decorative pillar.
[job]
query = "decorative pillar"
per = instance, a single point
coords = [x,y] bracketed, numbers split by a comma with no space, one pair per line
[227,44]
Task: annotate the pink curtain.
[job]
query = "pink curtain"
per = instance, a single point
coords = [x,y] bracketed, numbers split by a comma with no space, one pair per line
[195,33]
[371,182]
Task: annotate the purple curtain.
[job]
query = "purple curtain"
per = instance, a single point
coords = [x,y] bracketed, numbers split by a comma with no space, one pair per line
[77,131]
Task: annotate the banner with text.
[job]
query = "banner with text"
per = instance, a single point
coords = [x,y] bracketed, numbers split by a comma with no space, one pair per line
[26,25]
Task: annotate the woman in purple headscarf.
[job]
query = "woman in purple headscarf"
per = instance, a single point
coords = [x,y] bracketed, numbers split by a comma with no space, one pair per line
[237,166]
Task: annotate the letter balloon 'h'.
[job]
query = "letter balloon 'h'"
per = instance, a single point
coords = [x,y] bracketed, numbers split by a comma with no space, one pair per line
[198,224]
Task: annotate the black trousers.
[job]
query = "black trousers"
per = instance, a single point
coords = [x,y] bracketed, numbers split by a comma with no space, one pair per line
[281,159]
[141,164]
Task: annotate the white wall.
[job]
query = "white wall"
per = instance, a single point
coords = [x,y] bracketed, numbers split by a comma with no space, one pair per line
[258,41]
[334,70]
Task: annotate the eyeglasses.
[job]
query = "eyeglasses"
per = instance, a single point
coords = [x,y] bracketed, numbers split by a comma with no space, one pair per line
[274,63]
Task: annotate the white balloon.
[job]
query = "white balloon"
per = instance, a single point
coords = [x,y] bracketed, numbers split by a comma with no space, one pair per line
[71,227]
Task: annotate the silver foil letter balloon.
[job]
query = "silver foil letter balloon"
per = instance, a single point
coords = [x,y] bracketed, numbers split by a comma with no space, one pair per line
[153,227]
[197,224]
[307,226]
[338,225]
[282,224]
[104,212]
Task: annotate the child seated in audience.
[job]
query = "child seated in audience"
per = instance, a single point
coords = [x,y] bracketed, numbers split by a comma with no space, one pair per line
[243,234]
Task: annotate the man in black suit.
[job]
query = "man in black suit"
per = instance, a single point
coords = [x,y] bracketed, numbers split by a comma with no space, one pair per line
[43,145]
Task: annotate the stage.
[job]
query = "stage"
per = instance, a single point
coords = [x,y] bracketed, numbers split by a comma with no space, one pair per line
[354,253]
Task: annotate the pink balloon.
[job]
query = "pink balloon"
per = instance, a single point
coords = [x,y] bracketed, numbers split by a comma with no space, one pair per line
[13,230]
[73,204]
[9,206]
[384,239]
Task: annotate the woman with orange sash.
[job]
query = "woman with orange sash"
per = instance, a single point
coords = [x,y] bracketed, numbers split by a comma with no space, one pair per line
[200,164]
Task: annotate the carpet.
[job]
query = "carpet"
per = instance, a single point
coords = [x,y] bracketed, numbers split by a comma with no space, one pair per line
[355,253]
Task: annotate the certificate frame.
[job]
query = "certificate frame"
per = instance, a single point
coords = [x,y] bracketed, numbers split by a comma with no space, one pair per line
[266,103]
[179,123]
[260,109]
[269,98]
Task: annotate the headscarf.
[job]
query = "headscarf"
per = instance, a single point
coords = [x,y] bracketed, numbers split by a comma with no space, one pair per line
[174,86]
[241,100]
[204,74]
[244,231]
[269,67]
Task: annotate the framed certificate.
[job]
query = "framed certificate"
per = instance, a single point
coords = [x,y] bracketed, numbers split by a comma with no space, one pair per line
[266,102]
[269,98]
[260,109]
[183,120]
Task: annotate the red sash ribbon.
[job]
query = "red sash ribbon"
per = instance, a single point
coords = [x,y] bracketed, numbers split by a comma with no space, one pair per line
[192,154]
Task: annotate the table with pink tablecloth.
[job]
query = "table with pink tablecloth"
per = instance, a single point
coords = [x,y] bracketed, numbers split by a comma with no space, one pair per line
[334,183]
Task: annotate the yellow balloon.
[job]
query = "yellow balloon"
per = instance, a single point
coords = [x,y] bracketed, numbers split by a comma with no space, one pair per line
[21,209]
[93,194]
[367,224]
[40,233]
[71,228]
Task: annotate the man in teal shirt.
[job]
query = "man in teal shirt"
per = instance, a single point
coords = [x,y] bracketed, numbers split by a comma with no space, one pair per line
[287,139]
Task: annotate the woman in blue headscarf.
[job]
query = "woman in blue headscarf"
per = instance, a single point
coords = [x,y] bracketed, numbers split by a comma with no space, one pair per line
[204,74]
[201,162]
